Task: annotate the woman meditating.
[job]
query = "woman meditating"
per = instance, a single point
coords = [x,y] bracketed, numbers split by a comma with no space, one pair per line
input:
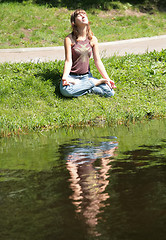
[77,79]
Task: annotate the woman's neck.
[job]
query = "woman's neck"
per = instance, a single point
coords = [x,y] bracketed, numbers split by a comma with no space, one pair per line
[82,33]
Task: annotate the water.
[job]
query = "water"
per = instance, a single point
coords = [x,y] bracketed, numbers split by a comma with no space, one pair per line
[93,183]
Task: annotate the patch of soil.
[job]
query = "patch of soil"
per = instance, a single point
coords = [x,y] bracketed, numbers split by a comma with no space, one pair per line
[26,32]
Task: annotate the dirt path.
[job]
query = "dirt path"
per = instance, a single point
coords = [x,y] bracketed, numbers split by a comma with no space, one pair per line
[135,46]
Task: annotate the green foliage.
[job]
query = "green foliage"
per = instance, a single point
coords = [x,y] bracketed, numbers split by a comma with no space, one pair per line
[147,5]
[30,96]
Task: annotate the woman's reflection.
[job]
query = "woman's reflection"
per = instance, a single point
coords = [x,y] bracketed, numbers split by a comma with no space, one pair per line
[89,181]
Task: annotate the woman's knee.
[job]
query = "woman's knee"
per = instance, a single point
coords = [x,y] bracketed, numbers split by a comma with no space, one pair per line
[112,93]
[109,93]
[103,90]
[66,92]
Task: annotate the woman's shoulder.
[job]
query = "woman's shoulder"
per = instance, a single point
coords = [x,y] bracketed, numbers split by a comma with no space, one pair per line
[93,41]
[69,39]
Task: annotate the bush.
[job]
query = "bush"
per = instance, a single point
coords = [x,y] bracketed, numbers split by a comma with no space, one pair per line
[145,5]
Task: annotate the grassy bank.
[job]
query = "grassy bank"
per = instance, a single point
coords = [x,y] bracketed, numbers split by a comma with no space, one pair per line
[30,98]
[32,25]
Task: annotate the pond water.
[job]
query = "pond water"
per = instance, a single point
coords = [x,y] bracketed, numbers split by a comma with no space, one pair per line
[92,183]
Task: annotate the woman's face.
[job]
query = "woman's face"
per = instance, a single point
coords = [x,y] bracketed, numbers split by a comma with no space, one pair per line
[81,19]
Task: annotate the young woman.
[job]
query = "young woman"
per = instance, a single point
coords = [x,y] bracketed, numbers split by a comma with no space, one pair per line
[77,79]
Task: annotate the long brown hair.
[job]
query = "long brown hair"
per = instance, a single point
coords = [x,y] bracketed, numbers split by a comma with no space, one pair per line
[74,26]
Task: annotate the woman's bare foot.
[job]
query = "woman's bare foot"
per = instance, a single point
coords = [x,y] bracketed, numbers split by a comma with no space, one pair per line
[98,81]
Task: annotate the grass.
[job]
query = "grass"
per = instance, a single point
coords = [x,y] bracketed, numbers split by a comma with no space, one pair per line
[29,92]
[31,25]
[30,97]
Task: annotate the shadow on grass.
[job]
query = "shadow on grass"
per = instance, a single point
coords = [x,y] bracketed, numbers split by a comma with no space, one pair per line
[54,76]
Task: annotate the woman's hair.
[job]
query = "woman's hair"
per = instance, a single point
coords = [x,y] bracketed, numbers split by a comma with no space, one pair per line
[74,27]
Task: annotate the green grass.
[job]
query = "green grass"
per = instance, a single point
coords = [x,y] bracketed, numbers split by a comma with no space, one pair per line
[29,92]
[30,25]
[30,97]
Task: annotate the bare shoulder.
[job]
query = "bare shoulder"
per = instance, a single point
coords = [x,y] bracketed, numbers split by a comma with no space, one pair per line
[69,39]
[94,41]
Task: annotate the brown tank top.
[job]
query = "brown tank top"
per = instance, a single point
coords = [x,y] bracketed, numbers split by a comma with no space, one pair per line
[81,52]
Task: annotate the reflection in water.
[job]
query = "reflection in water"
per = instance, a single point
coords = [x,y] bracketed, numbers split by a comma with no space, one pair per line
[89,166]
[64,185]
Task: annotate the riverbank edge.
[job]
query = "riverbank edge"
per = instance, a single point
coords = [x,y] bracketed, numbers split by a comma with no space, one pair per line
[99,122]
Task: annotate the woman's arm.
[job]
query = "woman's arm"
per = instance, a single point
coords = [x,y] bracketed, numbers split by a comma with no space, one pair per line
[98,62]
[68,60]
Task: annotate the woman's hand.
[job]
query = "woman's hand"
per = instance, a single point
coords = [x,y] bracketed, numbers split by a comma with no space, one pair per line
[65,82]
[111,83]
[69,81]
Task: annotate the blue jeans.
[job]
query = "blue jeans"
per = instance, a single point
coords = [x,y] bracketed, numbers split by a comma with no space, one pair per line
[84,85]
